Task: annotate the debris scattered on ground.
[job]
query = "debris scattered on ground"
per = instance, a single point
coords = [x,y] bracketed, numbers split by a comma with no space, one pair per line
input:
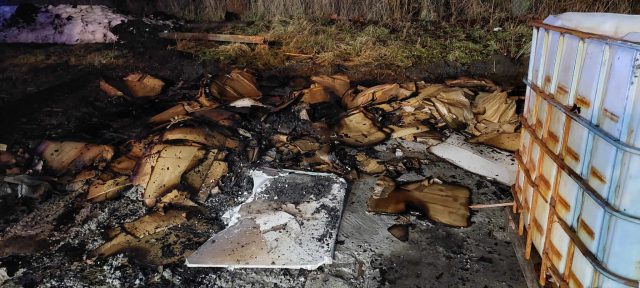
[109,89]
[161,170]
[176,198]
[103,190]
[25,185]
[60,157]
[290,221]
[504,141]
[374,95]
[205,177]
[482,160]
[480,84]
[187,163]
[234,86]
[400,231]
[357,129]
[140,235]
[369,165]
[143,85]
[338,84]
[447,204]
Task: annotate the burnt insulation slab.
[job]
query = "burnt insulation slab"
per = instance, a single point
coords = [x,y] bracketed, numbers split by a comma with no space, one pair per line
[290,220]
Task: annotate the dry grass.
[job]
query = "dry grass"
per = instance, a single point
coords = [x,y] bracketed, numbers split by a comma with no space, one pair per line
[379,32]
[260,56]
[494,12]
[373,45]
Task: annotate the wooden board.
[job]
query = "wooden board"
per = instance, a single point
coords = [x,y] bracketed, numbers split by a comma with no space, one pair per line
[213,37]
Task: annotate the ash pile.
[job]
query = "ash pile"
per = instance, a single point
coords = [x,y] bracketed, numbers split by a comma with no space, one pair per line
[104,212]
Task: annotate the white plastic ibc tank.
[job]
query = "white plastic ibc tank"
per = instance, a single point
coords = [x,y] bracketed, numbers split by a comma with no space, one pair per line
[578,182]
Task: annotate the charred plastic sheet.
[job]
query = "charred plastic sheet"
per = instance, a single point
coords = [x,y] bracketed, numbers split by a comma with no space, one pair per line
[290,220]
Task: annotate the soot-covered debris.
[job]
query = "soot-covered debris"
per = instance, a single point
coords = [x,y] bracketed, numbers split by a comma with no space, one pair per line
[290,221]
[447,204]
[155,196]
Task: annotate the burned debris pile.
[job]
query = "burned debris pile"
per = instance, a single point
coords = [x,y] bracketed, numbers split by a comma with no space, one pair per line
[185,171]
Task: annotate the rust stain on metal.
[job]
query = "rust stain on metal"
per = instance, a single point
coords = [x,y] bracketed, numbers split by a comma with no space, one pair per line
[562,91]
[555,254]
[531,166]
[572,154]
[574,281]
[555,273]
[582,226]
[547,81]
[562,203]
[544,181]
[612,116]
[595,173]
[552,138]
[539,125]
[538,227]
[583,102]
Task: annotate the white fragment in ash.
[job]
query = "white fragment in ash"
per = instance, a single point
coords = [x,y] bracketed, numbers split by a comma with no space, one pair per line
[480,159]
[62,24]
[290,221]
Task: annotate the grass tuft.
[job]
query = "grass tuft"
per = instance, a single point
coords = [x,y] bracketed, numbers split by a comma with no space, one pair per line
[488,12]
[351,44]
[398,33]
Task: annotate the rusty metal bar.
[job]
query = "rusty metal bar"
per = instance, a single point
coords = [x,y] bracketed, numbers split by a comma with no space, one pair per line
[586,35]
[555,273]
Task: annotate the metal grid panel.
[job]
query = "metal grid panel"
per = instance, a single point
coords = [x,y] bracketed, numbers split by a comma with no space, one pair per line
[578,150]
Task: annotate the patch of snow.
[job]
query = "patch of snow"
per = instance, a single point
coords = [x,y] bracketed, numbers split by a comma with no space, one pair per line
[63,24]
